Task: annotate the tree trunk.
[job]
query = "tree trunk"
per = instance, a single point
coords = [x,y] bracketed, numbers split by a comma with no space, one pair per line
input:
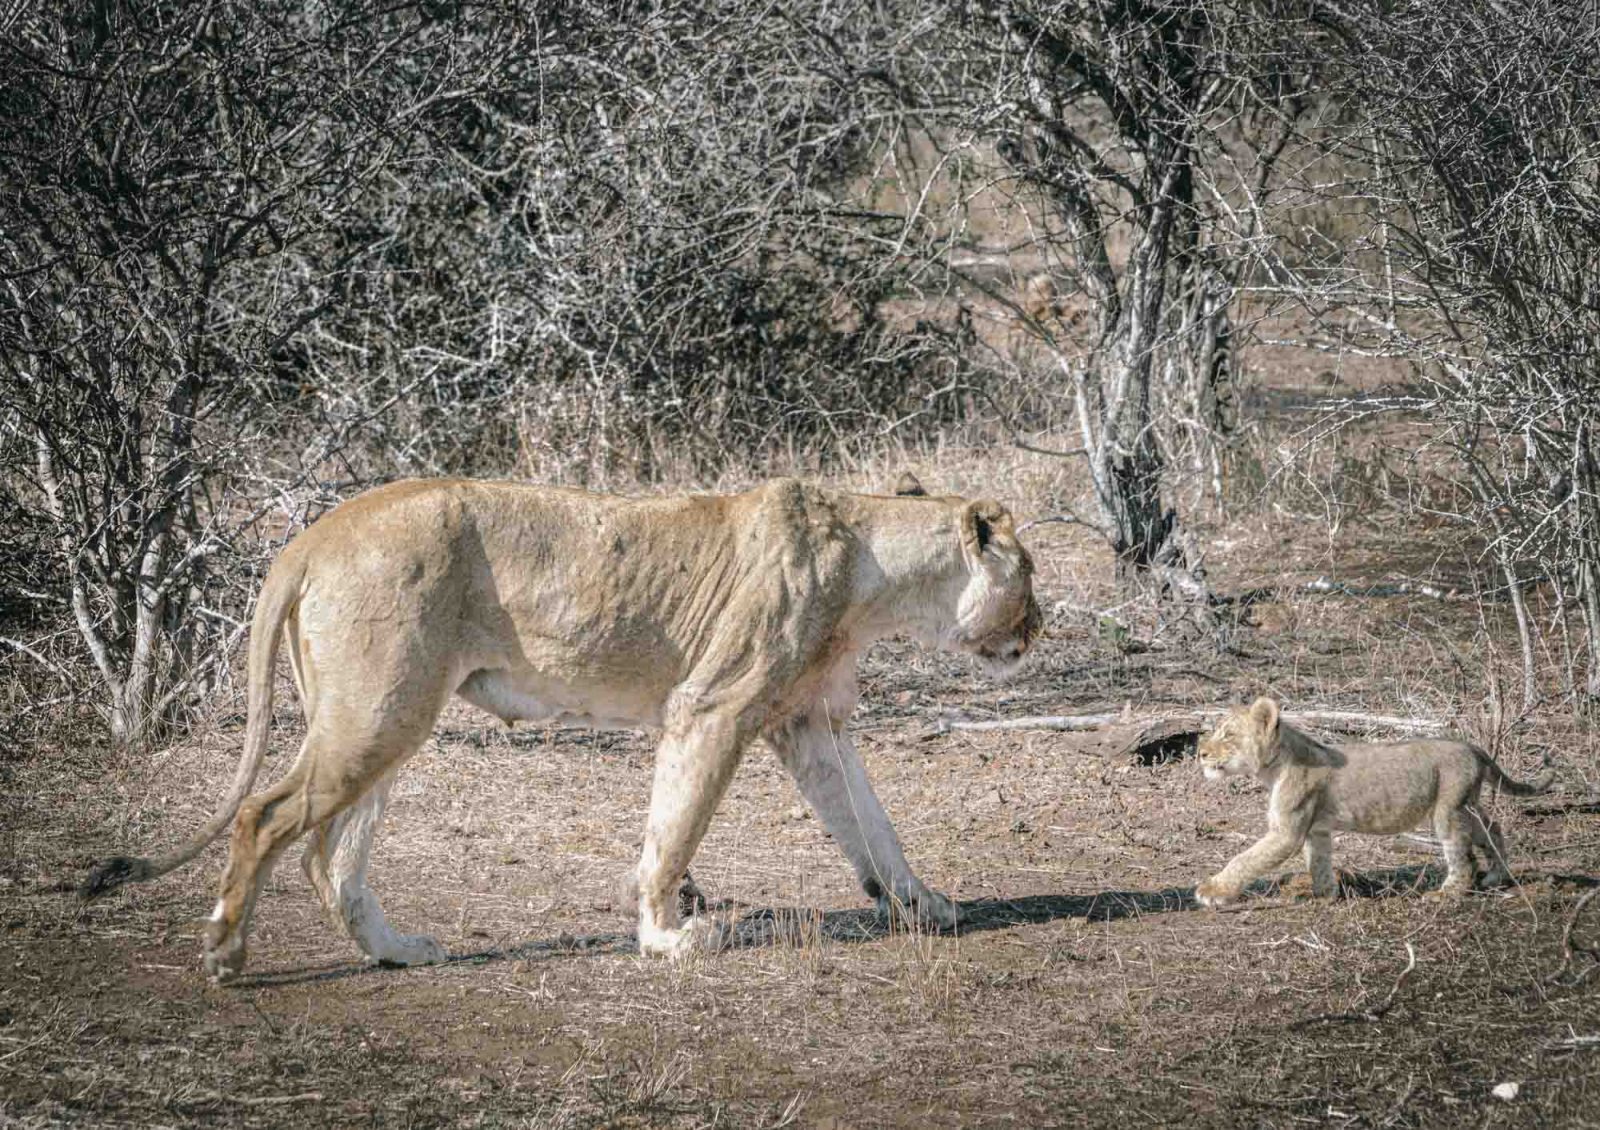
[1141,527]
[1130,466]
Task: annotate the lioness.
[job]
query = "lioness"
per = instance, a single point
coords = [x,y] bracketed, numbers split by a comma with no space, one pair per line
[711,620]
[1380,788]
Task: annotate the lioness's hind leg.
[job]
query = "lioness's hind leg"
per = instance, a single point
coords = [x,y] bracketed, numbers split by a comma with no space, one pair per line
[265,825]
[340,853]
[314,865]
[312,793]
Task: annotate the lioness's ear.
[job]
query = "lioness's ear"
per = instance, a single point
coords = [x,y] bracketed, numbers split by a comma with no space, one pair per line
[908,486]
[978,522]
[1264,713]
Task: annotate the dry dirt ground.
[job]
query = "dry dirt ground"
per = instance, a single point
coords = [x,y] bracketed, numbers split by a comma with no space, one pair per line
[1085,985]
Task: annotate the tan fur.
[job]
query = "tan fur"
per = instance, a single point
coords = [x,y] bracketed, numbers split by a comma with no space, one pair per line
[712,620]
[1380,788]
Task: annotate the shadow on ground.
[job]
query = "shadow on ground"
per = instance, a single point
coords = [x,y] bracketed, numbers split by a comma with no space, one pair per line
[762,927]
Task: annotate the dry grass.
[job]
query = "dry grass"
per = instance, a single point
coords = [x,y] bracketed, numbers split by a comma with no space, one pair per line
[1084,985]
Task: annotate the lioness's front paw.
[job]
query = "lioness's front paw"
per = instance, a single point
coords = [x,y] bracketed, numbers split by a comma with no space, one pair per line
[697,934]
[408,949]
[1213,893]
[926,909]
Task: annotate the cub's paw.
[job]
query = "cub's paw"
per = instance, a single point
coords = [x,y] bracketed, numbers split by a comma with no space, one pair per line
[1213,893]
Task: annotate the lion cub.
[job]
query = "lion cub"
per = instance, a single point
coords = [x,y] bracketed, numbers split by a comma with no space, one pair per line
[1381,788]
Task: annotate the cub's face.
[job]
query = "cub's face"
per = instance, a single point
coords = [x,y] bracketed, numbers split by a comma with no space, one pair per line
[1220,752]
[997,617]
[1242,742]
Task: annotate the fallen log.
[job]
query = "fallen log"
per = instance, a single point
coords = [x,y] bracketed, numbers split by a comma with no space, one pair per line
[1069,722]
[1354,721]
[1188,721]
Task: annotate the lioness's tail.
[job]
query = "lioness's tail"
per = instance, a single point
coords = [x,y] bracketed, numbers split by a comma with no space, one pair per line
[1540,784]
[279,595]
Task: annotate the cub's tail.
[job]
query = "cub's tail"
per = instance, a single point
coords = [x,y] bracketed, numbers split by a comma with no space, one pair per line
[1540,784]
[279,595]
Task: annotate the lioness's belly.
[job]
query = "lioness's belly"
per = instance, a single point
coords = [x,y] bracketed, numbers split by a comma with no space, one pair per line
[525,697]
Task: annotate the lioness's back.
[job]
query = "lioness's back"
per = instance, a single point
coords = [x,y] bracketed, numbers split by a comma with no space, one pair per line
[505,575]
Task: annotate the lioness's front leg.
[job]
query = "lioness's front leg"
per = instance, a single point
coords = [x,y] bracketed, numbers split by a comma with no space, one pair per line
[693,767]
[691,899]
[819,754]
[1248,866]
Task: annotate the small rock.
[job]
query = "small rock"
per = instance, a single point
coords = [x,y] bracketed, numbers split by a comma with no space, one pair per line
[799,812]
[1507,1091]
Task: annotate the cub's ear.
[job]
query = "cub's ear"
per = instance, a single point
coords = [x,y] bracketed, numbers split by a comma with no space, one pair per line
[1264,713]
[979,522]
[908,486]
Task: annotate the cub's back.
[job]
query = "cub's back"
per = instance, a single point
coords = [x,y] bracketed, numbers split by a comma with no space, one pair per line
[1399,778]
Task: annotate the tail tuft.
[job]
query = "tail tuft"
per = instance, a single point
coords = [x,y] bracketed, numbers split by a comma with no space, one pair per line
[107,876]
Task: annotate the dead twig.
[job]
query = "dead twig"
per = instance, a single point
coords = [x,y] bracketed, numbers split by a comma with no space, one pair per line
[266,1100]
[1323,586]
[1570,949]
[1571,1043]
[1381,589]
[1050,519]
[1371,1015]
[49,665]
